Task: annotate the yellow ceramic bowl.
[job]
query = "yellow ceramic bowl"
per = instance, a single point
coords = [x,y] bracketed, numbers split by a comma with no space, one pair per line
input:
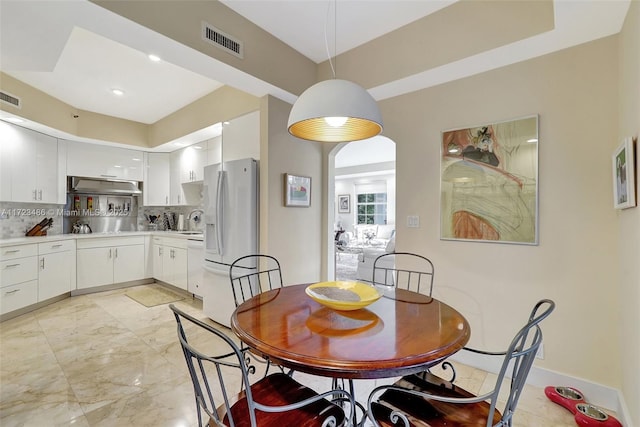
[343,295]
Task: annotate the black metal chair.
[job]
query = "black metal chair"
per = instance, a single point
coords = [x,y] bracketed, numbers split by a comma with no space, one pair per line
[254,274]
[404,270]
[427,400]
[216,364]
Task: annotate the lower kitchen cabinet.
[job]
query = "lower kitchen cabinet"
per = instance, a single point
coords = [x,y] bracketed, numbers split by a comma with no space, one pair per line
[56,268]
[105,261]
[173,263]
[18,277]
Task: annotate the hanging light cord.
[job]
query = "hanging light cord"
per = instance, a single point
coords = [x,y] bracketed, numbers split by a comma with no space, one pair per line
[335,37]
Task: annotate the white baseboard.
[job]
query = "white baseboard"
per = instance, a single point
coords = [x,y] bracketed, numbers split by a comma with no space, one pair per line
[597,394]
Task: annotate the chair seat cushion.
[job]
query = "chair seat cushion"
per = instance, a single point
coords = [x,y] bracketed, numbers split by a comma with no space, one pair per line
[277,390]
[423,412]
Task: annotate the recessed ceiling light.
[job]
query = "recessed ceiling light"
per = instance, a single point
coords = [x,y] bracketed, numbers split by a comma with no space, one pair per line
[117,92]
[154,58]
[197,147]
[178,144]
[14,120]
[532,140]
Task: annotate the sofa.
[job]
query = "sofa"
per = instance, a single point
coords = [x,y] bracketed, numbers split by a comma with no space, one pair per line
[368,256]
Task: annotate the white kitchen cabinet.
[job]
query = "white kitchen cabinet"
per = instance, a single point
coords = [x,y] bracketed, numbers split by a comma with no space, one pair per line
[18,277]
[192,161]
[157,181]
[170,261]
[29,163]
[157,254]
[99,161]
[56,268]
[105,261]
[176,197]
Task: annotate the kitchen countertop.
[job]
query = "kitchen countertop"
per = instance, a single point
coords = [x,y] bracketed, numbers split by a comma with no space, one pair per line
[57,237]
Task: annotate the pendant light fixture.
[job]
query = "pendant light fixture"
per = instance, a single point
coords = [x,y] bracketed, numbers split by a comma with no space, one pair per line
[335,111]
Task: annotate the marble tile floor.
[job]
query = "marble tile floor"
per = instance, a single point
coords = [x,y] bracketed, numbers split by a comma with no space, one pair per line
[103,359]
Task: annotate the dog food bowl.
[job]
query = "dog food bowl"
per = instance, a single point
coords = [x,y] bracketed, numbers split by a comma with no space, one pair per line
[588,415]
[567,397]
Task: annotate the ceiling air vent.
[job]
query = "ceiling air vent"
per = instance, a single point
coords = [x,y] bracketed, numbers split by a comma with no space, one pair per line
[10,99]
[222,40]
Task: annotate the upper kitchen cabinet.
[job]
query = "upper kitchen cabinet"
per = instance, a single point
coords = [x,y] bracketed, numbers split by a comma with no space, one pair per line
[192,161]
[241,137]
[29,163]
[98,161]
[156,179]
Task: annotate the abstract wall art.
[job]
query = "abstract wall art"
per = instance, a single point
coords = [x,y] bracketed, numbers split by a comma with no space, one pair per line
[489,182]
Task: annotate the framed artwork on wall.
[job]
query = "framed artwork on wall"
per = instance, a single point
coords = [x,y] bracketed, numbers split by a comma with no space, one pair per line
[297,190]
[344,203]
[489,182]
[624,193]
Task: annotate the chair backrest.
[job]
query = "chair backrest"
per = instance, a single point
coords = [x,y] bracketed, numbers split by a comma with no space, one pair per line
[518,360]
[404,270]
[253,274]
[217,356]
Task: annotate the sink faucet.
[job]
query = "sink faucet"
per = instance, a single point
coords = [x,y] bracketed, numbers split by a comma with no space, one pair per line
[195,215]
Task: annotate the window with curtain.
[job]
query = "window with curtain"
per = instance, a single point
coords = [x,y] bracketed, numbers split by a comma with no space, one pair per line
[371,208]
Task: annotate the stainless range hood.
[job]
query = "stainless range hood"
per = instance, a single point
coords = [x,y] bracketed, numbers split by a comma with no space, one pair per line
[81,185]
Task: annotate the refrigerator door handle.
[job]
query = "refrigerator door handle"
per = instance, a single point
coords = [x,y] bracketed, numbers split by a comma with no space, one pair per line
[219,213]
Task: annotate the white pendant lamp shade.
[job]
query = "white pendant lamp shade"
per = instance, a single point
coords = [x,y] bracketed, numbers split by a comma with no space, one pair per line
[335,111]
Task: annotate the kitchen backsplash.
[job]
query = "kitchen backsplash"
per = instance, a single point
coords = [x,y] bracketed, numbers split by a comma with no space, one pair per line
[17,218]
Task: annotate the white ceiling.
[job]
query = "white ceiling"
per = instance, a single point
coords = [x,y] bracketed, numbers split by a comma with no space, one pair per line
[77,51]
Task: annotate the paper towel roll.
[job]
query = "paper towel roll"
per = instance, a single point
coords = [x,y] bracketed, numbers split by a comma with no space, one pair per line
[181,222]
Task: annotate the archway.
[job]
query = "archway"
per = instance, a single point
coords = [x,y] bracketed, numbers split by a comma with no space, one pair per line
[361,175]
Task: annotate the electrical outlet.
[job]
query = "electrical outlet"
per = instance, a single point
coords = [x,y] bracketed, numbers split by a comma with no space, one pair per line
[540,352]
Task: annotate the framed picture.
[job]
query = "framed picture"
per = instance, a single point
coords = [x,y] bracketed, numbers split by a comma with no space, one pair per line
[624,193]
[489,182]
[297,190]
[344,203]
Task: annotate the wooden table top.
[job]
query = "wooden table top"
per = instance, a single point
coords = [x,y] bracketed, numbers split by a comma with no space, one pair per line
[402,333]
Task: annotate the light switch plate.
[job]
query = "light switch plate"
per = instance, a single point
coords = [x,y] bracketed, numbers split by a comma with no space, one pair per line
[413,221]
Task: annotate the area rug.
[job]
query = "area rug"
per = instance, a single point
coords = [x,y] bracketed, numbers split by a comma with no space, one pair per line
[346,266]
[152,296]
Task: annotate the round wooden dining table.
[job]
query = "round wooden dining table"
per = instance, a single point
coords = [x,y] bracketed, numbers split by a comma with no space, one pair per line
[401,333]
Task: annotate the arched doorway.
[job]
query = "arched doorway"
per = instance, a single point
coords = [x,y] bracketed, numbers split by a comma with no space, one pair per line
[362,215]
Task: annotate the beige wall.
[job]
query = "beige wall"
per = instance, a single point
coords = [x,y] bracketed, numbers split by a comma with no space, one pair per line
[291,234]
[628,221]
[222,104]
[496,285]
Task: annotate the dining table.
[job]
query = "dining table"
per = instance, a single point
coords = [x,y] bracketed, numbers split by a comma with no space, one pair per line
[401,333]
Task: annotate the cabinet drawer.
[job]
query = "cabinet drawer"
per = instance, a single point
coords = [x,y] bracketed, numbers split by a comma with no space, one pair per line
[106,242]
[18,296]
[18,251]
[175,243]
[53,247]
[18,270]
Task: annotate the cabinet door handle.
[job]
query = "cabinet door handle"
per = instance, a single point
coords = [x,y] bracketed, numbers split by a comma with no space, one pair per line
[39,194]
[166,200]
[55,246]
[109,253]
[116,251]
[11,292]
[109,176]
[13,251]
[160,251]
[42,264]
[35,194]
[11,265]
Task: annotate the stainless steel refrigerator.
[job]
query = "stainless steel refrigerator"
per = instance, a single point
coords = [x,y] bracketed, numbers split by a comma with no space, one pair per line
[230,230]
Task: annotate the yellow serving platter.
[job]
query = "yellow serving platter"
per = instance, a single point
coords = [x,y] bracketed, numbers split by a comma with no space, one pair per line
[343,295]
